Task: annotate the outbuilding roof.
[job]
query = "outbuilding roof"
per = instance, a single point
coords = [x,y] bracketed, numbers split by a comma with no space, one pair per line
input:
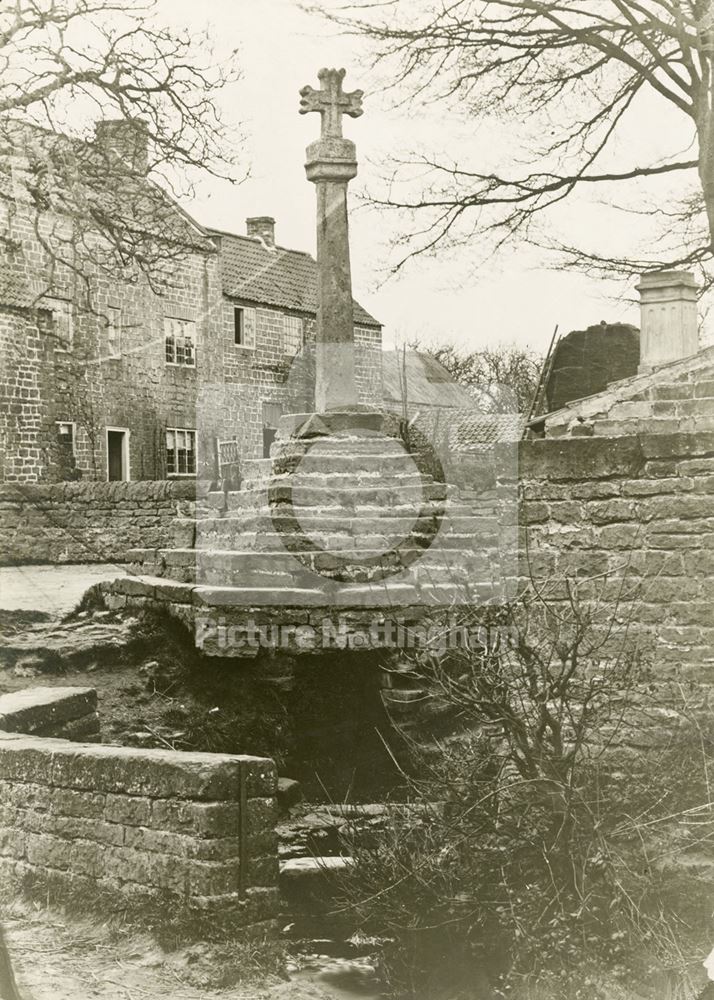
[428,382]
[273,276]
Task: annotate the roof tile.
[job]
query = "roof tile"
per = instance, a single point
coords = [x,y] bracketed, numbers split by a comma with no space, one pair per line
[273,276]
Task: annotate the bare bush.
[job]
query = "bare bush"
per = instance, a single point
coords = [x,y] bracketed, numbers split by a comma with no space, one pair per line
[547,863]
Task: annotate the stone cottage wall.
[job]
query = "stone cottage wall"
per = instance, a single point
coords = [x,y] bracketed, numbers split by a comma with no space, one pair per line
[86,385]
[89,522]
[261,376]
[192,833]
[631,521]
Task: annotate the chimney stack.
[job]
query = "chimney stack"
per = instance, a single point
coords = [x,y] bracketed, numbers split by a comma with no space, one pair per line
[668,326]
[262,226]
[126,138]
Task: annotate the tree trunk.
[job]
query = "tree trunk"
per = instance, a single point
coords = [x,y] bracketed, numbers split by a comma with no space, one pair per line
[704,109]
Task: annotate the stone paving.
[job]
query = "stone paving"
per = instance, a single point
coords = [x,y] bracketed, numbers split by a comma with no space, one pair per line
[54,589]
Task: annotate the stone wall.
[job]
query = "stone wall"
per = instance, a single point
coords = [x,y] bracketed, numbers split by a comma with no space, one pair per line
[191,833]
[64,712]
[675,398]
[88,522]
[631,521]
[253,379]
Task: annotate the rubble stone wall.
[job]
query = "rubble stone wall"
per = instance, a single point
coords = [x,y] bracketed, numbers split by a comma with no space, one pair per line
[631,521]
[190,832]
[88,522]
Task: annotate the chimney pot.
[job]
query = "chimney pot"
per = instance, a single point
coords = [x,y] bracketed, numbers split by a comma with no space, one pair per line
[262,226]
[668,309]
[126,138]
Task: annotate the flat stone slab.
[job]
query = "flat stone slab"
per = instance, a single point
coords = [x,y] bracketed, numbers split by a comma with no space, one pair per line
[297,869]
[37,708]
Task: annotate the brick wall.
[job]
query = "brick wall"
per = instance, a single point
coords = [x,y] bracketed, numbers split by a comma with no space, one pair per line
[190,832]
[632,520]
[88,522]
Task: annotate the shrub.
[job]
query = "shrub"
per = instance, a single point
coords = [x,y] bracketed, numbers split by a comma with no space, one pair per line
[543,863]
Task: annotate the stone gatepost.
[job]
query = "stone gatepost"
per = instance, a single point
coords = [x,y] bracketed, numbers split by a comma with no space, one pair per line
[331,165]
[669,323]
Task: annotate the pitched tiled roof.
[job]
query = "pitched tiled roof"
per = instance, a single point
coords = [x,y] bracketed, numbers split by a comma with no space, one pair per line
[273,276]
[428,383]
[133,203]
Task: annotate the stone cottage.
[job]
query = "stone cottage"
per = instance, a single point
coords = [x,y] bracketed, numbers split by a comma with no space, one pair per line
[135,367]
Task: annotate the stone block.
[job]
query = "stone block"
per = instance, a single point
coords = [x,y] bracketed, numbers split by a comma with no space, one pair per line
[254,905]
[203,819]
[46,851]
[127,810]
[77,828]
[12,842]
[40,708]
[580,458]
[85,804]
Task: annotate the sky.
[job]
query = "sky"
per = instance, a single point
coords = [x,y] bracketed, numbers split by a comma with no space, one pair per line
[461,297]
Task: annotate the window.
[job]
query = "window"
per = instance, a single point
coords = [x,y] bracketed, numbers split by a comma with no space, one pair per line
[238,325]
[65,433]
[244,327]
[180,341]
[56,319]
[292,335]
[113,321]
[180,452]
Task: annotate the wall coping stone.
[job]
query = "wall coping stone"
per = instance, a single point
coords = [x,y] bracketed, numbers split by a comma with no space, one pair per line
[134,771]
[163,489]
[579,458]
[36,708]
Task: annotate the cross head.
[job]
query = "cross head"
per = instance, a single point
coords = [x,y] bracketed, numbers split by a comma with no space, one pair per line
[331,102]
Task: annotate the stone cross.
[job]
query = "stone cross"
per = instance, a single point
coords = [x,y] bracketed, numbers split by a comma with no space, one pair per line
[331,102]
[331,164]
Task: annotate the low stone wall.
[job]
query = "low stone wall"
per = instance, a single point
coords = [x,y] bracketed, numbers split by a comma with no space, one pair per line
[131,828]
[631,521]
[64,712]
[89,522]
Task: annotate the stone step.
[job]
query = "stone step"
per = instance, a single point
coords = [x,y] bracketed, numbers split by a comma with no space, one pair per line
[278,569]
[326,594]
[342,464]
[342,445]
[338,482]
[368,518]
[271,542]
[364,501]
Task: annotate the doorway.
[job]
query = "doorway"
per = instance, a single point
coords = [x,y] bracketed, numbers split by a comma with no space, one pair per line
[117,454]
[271,418]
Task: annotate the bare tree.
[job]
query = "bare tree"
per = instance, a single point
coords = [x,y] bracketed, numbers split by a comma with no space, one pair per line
[493,373]
[576,70]
[63,65]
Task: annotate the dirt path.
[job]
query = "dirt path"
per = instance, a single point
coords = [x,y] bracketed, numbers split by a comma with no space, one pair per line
[84,960]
